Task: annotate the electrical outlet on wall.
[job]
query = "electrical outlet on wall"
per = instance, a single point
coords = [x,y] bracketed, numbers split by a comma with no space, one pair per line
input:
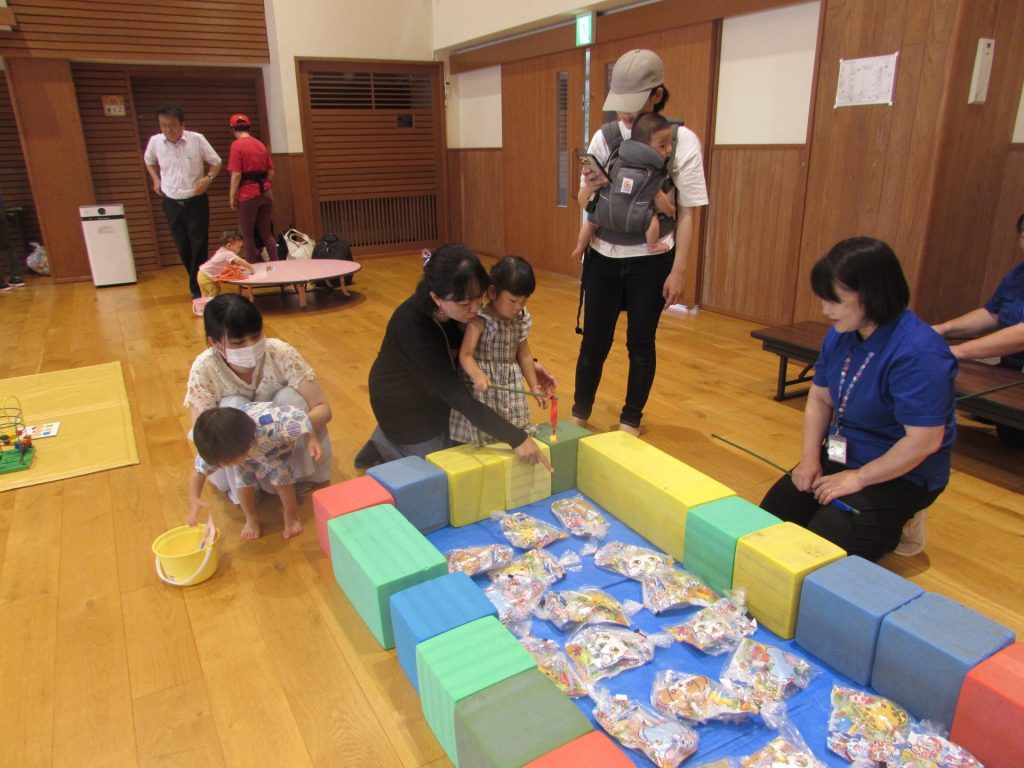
[982,71]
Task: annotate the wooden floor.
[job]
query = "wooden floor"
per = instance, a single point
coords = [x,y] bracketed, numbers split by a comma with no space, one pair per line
[267,664]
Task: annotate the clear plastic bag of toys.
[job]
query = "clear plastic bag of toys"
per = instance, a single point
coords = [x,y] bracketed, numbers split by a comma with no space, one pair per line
[725,762]
[630,560]
[516,602]
[552,661]
[474,560]
[926,747]
[599,651]
[524,531]
[580,518]
[788,749]
[537,565]
[717,628]
[864,725]
[767,670]
[698,698]
[572,608]
[665,741]
[667,588]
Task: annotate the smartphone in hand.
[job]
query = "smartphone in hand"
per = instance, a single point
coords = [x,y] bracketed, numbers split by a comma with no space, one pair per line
[591,164]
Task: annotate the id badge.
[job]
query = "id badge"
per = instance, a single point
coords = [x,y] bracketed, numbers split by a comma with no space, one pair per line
[836,449]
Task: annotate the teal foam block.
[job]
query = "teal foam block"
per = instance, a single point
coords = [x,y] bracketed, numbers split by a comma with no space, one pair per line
[459,663]
[516,721]
[925,650]
[563,453]
[432,608]
[842,605]
[375,553]
[712,530]
[419,488]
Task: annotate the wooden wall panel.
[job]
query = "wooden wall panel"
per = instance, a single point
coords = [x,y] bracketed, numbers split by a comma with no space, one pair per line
[753,231]
[1005,252]
[477,198]
[230,33]
[14,185]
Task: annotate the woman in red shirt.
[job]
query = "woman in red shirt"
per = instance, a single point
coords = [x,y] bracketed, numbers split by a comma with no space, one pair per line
[251,170]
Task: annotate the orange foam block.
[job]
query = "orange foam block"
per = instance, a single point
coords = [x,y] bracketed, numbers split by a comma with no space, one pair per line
[990,710]
[594,749]
[342,498]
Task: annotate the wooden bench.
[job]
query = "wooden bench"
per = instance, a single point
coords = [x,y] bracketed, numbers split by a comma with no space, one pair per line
[801,341]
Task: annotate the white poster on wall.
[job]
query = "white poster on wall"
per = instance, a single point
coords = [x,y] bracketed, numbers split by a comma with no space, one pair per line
[866,81]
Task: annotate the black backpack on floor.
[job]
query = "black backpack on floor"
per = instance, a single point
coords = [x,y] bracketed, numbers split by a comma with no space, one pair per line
[333,247]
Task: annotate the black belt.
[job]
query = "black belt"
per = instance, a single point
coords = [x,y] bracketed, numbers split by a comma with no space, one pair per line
[185,200]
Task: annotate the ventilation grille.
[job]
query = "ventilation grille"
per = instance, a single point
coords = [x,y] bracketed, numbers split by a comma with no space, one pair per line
[383,220]
[370,90]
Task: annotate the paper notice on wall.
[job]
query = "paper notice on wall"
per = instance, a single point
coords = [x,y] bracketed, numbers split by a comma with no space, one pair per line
[866,81]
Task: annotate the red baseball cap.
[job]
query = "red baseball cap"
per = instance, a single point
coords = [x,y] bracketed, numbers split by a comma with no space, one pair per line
[239,121]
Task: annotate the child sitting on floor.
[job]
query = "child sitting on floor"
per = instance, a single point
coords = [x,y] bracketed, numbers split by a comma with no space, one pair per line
[495,351]
[231,245]
[255,443]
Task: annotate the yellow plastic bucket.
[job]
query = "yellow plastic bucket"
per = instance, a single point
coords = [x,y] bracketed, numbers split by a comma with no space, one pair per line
[179,561]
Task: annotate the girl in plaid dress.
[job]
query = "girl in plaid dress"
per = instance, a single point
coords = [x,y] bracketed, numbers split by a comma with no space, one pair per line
[495,351]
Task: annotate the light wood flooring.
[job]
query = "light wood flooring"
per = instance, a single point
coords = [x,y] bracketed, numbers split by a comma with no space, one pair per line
[267,664]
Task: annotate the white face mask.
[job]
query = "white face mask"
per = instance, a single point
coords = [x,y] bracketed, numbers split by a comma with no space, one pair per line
[246,357]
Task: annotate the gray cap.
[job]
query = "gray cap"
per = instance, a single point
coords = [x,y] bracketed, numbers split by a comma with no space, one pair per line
[634,76]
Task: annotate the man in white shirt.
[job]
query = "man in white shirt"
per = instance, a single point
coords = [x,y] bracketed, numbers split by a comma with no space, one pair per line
[182,165]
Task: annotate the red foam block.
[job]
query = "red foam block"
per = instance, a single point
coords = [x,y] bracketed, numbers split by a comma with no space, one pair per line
[990,710]
[594,749]
[341,498]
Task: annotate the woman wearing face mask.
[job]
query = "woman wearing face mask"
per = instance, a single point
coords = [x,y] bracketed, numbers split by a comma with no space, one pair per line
[242,366]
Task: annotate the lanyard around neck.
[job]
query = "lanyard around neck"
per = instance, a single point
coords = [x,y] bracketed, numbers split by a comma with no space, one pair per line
[844,397]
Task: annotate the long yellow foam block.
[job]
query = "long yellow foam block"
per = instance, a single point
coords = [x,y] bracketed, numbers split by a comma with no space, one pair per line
[524,483]
[772,563]
[644,487]
[476,483]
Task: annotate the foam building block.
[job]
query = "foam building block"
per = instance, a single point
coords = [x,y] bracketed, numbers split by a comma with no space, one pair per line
[523,483]
[342,498]
[594,750]
[990,710]
[419,489]
[515,721]
[841,609]
[563,453]
[771,565]
[644,487]
[476,483]
[459,663]
[712,531]
[432,608]
[925,650]
[375,553]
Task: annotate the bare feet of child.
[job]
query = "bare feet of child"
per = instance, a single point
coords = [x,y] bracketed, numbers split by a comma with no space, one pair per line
[251,529]
[292,526]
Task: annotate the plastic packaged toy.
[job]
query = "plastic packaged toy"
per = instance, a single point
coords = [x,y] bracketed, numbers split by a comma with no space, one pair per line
[630,560]
[666,742]
[587,605]
[580,518]
[697,698]
[535,565]
[770,672]
[524,531]
[925,748]
[474,560]
[780,752]
[516,601]
[605,650]
[552,661]
[717,628]
[864,725]
[668,588]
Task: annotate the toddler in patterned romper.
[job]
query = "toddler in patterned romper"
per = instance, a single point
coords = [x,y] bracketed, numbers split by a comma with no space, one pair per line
[495,351]
[255,444]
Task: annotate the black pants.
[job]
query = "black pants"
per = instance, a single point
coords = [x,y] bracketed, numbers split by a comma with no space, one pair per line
[611,285]
[884,508]
[189,221]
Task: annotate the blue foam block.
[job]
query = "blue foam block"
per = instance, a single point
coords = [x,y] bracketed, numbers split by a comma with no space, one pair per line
[419,488]
[428,609]
[841,609]
[926,648]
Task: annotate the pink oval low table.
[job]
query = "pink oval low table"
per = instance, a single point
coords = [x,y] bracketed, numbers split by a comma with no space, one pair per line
[297,272]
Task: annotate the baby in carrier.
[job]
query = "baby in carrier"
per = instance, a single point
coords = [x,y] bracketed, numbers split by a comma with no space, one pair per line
[625,210]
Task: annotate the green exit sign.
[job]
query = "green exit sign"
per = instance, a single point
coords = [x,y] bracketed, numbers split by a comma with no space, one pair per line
[585,29]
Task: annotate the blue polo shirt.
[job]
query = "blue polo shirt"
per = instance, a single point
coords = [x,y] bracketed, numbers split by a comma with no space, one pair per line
[909,381]
[1007,304]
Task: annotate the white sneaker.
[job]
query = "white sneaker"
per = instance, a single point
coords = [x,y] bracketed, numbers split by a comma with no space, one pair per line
[912,539]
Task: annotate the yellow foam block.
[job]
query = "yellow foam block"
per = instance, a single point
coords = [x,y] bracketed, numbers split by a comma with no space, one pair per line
[643,486]
[476,483]
[524,483]
[771,564]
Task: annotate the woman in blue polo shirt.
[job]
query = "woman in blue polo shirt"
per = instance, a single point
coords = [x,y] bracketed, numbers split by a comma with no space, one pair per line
[880,418]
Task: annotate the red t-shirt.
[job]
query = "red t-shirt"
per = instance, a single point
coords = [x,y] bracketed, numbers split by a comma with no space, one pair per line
[248,154]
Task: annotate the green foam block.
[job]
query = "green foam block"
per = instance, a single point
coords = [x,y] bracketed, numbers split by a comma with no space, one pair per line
[459,663]
[563,453]
[516,721]
[376,552]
